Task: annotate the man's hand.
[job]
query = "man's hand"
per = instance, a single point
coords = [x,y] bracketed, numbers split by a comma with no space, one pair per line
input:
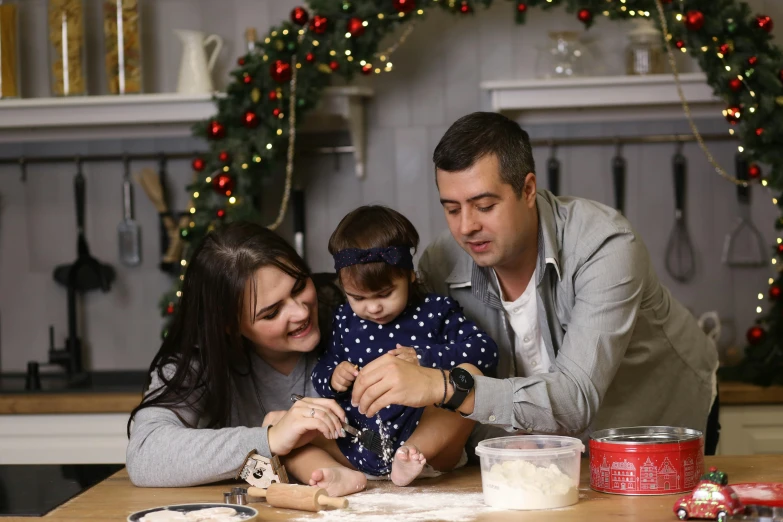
[392,380]
[343,376]
[406,353]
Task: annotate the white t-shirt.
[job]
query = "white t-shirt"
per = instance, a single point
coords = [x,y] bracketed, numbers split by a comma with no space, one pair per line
[530,352]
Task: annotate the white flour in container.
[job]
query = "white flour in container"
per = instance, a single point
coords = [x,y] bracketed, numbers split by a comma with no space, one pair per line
[519,484]
[419,504]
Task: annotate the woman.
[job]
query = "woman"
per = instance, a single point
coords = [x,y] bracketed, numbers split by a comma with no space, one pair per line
[245,337]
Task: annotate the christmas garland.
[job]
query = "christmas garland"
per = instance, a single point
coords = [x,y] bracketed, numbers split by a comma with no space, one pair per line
[249,135]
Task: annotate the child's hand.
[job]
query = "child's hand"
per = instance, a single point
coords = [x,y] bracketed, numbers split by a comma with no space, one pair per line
[343,376]
[406,354]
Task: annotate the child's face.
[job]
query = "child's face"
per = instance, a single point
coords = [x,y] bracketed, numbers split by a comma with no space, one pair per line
[379,307]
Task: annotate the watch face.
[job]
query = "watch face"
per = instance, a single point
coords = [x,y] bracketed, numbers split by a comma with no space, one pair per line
[462,378]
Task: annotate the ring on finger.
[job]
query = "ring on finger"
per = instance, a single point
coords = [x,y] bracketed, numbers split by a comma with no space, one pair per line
[312,412]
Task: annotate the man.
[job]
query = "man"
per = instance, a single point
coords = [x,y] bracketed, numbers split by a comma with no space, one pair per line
[588,337]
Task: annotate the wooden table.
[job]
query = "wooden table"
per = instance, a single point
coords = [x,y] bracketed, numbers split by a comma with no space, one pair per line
[116,498]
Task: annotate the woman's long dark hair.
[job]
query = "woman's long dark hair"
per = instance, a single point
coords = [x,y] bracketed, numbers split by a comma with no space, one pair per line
[204,347]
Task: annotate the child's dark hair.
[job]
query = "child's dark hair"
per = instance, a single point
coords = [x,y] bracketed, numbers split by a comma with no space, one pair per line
[376,226]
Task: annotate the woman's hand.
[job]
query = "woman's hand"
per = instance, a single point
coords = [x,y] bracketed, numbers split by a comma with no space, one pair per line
[299,425]
[273,417]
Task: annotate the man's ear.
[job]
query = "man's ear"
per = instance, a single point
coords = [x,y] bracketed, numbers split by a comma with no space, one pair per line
[530,189]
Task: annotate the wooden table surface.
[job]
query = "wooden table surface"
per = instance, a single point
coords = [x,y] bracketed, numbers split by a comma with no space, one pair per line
[116,498]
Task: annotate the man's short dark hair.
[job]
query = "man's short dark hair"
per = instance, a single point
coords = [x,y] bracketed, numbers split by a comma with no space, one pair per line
[476,135]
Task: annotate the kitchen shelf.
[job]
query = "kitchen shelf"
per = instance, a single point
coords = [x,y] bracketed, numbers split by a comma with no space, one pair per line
[162,115]
[602,99]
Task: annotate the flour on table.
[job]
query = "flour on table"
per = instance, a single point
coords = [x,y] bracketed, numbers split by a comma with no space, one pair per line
[519,484]
[410,505]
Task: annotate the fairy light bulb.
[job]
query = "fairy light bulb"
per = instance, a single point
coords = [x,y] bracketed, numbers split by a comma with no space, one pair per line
[195,194]
[760,296]
[179,294]
[268,146]
[192,210]
[758,309]
[232,200]
[183,262]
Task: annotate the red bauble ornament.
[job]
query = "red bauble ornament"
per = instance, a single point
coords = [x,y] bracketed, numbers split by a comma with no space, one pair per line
[774,293]
[170,309]
[280,71]
[764,23]
[754,171]
[367,68]
[310,57]
[755,335]
[276,112]
[247,78]
[250,120]
[753,60]
[220,213]
[334,65]
[521,8]
[319,24]
[356,26]
[404,6]
[759,131]
[694,20]
[223,156]
[198,164]
[585,16]
[780,249]
[299,15]
[240,61]
[216,130]
[679,44]
[725,49]
[465,8]
[733,115]
[273,95]
[780,75]
[735,84]
[223,184]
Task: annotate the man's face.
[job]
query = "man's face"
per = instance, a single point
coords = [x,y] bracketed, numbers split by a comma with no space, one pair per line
[484,215]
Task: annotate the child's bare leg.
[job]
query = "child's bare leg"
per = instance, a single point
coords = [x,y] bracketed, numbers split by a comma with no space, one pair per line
[318,466]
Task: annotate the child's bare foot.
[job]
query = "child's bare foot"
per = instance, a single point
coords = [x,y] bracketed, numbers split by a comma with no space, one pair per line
[407,465]
[338,482]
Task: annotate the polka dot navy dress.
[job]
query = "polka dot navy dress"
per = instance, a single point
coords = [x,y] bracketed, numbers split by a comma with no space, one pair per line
[443,338]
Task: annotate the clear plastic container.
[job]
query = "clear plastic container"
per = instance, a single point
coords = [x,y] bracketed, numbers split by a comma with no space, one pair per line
[528,472]
[122,42]
[644,54]
[9,49]
[67,47]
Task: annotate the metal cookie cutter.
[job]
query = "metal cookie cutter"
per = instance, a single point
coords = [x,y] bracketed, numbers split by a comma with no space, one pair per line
[235,496]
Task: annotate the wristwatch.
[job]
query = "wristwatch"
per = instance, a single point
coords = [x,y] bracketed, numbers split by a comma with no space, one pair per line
[463,382]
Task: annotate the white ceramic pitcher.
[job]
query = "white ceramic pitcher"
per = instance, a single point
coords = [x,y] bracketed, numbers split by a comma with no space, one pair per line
[195,71]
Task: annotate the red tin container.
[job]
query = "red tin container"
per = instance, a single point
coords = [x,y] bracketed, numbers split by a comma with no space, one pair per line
[646,460]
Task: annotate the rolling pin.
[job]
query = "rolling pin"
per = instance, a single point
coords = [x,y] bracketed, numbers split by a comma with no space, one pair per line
[291,496]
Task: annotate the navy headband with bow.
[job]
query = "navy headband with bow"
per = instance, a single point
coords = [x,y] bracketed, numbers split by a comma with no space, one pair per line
[394,255]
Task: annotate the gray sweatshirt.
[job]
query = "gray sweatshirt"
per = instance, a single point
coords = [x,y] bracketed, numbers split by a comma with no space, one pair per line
[165,452]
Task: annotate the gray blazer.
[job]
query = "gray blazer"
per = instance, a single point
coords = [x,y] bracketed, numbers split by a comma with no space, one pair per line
[624,352]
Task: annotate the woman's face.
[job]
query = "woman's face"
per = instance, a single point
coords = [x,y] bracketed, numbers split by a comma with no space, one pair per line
[281,315]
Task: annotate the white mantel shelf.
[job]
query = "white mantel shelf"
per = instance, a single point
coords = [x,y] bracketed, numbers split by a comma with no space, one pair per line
[610,98]
[161,115]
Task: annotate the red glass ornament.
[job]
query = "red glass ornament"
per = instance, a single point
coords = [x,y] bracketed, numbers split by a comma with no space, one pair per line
[223,184]
[465,8]
[223,156]
[247,78]
[356,27]
[694,20]
[735,84]
[276,112]
[521,8]
[240,61]
[319,24]
[755,335]
[310,57]
[774,293]
[585,16]
[170,309]
[764,23]
[280,71]
[679,44]
[753,60]
[220,213]
[250,120]
[404,6]
[334,65]
[367,68]
[198,164]
[780,75]
[733,115]
[759,131]
[299,15]
[216,130]
[272,95]
[725,49]
[754,171]
[780,249]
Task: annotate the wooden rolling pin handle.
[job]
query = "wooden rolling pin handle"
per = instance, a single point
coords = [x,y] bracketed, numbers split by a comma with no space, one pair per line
[335,502]
[256,492]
